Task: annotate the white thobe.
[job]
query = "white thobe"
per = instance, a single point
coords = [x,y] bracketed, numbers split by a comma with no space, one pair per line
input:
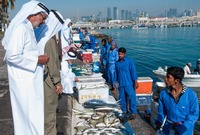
[26,87]
[67,78]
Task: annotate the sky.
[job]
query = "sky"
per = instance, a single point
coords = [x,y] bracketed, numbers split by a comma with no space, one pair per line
[77,8]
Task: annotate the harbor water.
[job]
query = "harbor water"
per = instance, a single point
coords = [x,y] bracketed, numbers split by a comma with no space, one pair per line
[154,47]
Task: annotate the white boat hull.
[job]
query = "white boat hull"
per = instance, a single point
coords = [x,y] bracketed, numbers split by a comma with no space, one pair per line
[192,80]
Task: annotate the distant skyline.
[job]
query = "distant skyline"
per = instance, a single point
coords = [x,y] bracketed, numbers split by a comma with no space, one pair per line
[78,8]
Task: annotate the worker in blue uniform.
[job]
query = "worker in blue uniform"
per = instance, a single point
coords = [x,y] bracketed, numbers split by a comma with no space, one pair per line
[112,58]
[91,43]
[198,66]
[81,36]
[104,54]
[127,80]
[178,104]
[96,45]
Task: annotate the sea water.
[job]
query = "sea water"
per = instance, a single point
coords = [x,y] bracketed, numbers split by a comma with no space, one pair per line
[154,47]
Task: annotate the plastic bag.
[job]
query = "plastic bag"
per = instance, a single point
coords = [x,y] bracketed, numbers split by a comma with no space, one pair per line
[96,67]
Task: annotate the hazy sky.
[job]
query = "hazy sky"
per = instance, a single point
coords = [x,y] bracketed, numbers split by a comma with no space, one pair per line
[70,8]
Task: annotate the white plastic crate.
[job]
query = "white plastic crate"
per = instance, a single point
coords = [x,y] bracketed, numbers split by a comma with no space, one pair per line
[93,93]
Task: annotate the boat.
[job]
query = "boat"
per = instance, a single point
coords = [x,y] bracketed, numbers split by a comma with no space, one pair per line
[139,27]
[190,80]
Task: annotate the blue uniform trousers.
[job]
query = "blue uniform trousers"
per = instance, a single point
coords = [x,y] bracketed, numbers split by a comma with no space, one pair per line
[111,74]
[127,93]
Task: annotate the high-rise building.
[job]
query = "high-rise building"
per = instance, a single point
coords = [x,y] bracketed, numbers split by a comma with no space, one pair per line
[93,17]
[189,12]
[126,14]
[130,15]
[122,14]
[109,13]
[100,16]
[198,12]
[172,13]
[115,13]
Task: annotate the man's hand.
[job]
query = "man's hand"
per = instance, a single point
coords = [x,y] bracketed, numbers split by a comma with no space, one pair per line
[76,79]
[59,89]
[43,59]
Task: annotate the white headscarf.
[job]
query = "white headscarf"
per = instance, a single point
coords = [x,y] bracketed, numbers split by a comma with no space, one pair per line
[67,21]
[53,25]
[27,9]
[65,33]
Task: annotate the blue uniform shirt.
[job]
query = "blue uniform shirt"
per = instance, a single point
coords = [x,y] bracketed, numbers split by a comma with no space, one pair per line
[113,56]
[81,36]
[92,44]
[126,72]
[104,53]
[185,110]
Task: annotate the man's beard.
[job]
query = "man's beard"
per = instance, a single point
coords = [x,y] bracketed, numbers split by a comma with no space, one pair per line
[121,58]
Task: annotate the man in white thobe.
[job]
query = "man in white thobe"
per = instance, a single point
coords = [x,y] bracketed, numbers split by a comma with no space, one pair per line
[22,57]
[67,76]
[66,33]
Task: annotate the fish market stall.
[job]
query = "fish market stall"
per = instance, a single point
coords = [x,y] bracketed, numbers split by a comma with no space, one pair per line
[98,117]
[94,110]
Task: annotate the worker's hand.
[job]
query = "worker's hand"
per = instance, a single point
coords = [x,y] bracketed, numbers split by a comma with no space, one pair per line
[59,89]
[85,61]
[101,60]
[158,125]
[136,84]
[181,129]
[116,85]
[43,59]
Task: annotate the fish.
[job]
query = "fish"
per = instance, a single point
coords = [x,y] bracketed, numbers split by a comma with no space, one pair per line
[80,128]
[107,109]
[89,130]
[85,112]
[100,125]
[81,123]
[95,117]
[98,103]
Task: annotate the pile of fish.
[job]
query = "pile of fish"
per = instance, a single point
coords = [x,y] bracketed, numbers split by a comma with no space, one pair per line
[98,118]
[83,69]
[94,122]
